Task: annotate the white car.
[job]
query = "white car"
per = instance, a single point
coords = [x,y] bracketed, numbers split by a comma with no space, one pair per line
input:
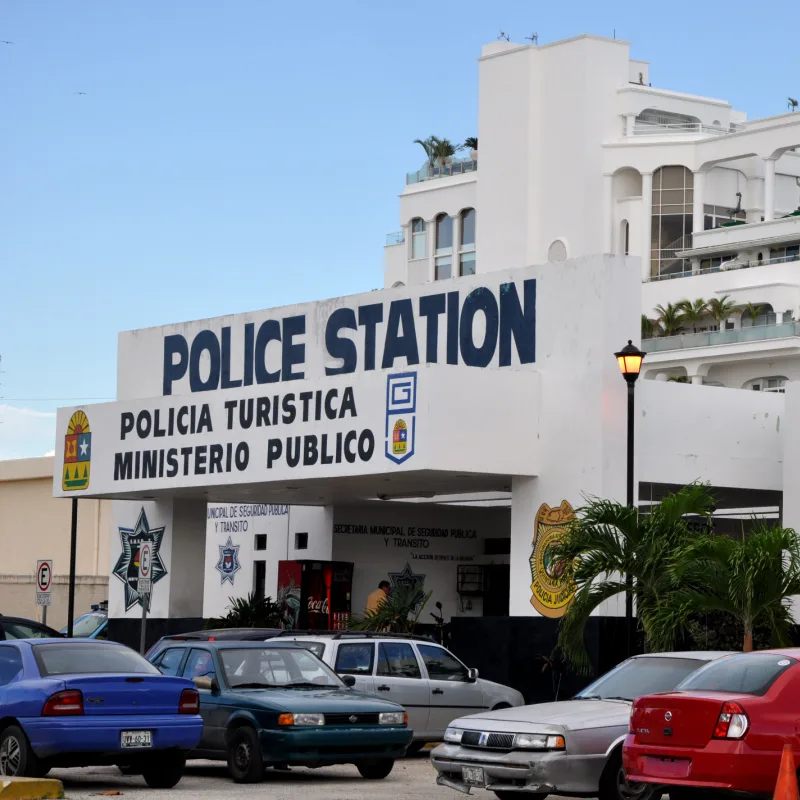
[429,681]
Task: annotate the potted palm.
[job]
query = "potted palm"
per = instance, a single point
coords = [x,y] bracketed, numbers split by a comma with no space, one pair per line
[471,144]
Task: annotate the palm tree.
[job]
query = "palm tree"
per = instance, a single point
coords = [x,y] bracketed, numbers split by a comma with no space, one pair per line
[398,613]
[693,312]
[670,318]
[721,309]
[752,311]
[650,327]
[249,612]
[471,143]
[750,578]
[609,540]
[427,146]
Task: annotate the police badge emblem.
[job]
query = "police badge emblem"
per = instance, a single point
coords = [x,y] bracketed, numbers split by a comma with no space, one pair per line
[228,564]
[551,591]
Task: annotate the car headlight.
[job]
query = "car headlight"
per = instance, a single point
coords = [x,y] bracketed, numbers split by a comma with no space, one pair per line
[539,741]
[303,720]
[453,735]
[393,718]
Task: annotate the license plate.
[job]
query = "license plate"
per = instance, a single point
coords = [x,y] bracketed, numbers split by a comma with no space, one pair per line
[132,739]
[473,776]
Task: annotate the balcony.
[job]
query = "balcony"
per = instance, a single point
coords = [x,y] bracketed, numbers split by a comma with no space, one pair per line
[458,166]
[726,267]
[398,237]
[655,128]
[755,333]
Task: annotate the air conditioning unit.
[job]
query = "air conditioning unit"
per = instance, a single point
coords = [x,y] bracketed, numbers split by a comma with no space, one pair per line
[471,580]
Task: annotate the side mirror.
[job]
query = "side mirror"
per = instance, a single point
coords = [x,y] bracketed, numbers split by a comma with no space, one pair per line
[204,682]
[348,680]
[472,675]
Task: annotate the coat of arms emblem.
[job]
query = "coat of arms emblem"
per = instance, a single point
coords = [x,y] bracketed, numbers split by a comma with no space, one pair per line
[77,453]
[551,590]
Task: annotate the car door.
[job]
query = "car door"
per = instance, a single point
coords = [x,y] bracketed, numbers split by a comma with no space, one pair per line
[11,669]
[356,659]
[452,693]
[200,664]
[398,678]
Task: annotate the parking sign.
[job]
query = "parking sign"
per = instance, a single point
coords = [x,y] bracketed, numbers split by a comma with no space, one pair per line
[44,582]
[145,584]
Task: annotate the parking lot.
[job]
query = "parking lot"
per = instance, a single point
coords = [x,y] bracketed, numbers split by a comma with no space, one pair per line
[412,779]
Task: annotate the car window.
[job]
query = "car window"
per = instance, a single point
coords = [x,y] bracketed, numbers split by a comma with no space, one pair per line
[86,625]
[270,668]
[749,673]
[10,664]
[355,659]
[317,648]
[19,630]
[76,657]
[103,634]
[169,662]
[639,676]
[441,665]
[200,664]
[397,660]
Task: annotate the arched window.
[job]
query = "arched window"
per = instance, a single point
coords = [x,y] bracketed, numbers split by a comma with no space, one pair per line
[625,238]
[557,251]
[467,262]
[672,220]
[419,247]
[444,247]
[772,383]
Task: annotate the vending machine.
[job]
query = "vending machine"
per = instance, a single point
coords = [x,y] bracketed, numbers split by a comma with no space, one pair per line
[315,595]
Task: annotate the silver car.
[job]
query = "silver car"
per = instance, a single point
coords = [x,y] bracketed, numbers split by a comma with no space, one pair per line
[424,677]
[573,747]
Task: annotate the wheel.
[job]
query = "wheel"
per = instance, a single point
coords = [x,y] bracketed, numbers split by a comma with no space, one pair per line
[16,756]
[164,772]
[414,748]
[245,763]
[375,770]
[129,769]
[615,786]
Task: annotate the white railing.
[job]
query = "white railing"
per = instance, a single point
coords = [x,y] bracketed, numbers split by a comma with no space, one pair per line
[432,172]
[724,267]
[392,239]
[643,128]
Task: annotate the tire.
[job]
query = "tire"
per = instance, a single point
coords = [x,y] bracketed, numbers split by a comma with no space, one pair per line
[164,772]
[129,769]
[245,763]
[516,796]
[614,786]
[17,759]
[375,770]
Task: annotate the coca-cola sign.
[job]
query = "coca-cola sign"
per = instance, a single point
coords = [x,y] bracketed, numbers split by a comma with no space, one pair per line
[317,606]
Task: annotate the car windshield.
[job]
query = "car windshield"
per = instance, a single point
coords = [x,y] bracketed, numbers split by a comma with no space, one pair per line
[270,668]
[749,673]
[640,676]
[86,625]
[77,658]
[317,648]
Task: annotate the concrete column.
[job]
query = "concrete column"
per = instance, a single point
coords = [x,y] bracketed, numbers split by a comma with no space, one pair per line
[697,380]
[456,272]
[699,194]
[769,189]
[647,221]
[630,122]
[608,213]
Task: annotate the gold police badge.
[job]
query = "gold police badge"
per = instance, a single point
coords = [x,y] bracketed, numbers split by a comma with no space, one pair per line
[551,591]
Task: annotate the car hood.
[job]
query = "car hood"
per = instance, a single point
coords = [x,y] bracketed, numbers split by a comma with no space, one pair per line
[321,701]
[568,715]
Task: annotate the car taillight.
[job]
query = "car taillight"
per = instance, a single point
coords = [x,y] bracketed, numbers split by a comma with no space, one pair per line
[190,702]
[630,720]
[732,723]
[64,704]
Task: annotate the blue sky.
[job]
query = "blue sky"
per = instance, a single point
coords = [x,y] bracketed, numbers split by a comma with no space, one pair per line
[246,154]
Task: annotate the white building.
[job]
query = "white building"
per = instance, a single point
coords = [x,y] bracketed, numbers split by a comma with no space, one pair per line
[580,154]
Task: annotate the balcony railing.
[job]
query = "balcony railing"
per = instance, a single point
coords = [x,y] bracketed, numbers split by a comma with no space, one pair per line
[643,128]
[728,267]
[430,173]
[752,333]
[398,237]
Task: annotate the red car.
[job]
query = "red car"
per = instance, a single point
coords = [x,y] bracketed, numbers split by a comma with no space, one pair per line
[724,727]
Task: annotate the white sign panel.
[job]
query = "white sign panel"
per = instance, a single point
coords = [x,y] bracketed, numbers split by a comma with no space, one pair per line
[44,582]
[145,569]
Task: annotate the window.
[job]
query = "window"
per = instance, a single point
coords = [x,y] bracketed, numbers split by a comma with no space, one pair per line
[775,384]
[397,660]
[10,664]
[81,657]
[260,579]
[444,247]
[301,541]
[18,630]
[625,237]
[355,659]
[169,662]
[286,666]
[715,216]
[260,542]
[87,624]
[317,648]
[419,246]
[557,251]
[749,673]
[639,676]
[466,259]
[671,227]
[789,253]
[200,664]
[441,665]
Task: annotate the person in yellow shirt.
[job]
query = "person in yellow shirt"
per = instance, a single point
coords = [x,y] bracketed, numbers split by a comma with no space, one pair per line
[377,597]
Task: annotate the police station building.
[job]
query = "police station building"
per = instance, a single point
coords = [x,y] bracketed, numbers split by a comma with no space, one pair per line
[440,431]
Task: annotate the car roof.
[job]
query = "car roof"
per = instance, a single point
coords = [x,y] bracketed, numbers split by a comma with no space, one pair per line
[225,633]
[308,634]
[63,640]
[247,645]
[694,655]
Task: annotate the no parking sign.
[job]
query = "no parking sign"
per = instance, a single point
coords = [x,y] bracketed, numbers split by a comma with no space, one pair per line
[44,582]
[145,584]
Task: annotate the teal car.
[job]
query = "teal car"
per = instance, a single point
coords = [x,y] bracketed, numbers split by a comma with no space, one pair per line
[268,704]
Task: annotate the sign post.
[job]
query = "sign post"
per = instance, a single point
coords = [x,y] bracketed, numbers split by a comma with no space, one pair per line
[144,587]
[44,583]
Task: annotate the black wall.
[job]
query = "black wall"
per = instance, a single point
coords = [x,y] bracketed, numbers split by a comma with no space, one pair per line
[128,631]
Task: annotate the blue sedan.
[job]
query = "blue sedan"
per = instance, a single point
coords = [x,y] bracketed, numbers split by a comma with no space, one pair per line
[78,703]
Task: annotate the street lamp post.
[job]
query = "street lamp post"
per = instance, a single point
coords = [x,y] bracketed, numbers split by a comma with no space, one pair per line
[630,364]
